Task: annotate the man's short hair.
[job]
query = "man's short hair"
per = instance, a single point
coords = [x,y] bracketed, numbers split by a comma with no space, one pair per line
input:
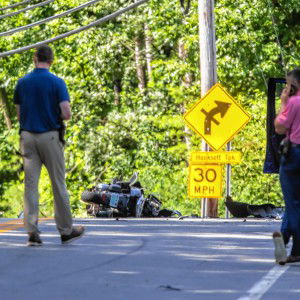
[44,54]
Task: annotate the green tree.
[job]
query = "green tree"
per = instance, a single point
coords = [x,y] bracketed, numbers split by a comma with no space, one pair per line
[119,127]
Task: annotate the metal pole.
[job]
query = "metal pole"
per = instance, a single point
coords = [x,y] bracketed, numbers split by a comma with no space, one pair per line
[203,208]
[204,200]
[228,181]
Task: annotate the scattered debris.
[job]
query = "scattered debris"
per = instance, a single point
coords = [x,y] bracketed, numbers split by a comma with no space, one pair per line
[169,287]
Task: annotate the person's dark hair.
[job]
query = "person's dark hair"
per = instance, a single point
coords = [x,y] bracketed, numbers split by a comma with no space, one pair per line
[44,54]
[295,74]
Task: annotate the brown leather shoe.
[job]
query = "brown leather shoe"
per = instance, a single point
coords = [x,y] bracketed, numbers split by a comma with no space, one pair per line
[76,233]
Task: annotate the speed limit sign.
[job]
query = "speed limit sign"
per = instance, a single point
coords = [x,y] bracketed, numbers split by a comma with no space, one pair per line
[205,181]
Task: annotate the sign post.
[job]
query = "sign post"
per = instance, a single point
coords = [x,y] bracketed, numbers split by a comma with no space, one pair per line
[216,117]
[228,181]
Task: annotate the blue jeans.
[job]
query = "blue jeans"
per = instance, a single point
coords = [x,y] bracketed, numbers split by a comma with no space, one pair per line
[289,174]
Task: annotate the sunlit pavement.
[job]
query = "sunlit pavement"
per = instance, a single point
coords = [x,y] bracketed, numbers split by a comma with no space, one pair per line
[145,259]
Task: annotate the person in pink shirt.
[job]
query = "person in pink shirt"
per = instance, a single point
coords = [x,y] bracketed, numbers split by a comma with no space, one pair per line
[288,122]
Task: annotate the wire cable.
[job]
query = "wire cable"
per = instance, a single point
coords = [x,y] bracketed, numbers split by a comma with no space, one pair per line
[72,32]
[270,5]
[9,32]
[15,5]
[26,9]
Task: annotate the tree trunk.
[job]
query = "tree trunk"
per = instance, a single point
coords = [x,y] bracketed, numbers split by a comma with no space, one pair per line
[117,91]
[187,78]
[182,53]
[186,82]
[139,63]
[148,50]
[4,107]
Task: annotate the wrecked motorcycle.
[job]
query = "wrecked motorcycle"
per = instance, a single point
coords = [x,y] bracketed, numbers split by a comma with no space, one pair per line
[123,199]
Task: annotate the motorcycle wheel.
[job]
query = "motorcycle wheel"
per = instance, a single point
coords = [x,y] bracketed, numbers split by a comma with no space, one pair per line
[91,197]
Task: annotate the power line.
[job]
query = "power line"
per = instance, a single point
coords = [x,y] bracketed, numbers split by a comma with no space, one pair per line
[9,32]
[72,32]
[277,37]
[26,9]
[15,5]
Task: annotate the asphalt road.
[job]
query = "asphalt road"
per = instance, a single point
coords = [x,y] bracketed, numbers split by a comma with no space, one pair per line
[147,259]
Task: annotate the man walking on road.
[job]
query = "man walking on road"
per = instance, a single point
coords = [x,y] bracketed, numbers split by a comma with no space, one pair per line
[42,101]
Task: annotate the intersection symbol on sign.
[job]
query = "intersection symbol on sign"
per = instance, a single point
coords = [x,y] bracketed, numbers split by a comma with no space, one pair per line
[221,109]
[216,117]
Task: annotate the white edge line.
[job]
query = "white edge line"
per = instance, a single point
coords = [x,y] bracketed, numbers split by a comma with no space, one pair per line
[261,287]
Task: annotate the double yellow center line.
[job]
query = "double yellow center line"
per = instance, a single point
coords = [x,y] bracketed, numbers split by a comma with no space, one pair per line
[16,224]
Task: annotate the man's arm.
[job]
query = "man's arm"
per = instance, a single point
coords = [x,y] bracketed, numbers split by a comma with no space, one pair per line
[65,110]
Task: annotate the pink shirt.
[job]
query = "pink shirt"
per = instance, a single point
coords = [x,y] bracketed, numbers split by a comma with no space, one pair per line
[290,118]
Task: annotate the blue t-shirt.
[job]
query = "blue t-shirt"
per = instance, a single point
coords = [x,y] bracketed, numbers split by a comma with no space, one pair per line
[39,94]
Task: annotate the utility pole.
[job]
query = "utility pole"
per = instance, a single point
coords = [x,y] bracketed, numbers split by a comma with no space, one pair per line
[208,70]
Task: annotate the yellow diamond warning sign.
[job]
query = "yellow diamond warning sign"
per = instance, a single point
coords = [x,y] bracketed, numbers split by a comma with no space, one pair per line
[216,117]
[205,181]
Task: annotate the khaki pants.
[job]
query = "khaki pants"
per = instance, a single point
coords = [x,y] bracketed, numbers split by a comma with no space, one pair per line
[38,149]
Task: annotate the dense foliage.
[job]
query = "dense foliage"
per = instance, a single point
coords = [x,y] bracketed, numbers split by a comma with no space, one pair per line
[132,78]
